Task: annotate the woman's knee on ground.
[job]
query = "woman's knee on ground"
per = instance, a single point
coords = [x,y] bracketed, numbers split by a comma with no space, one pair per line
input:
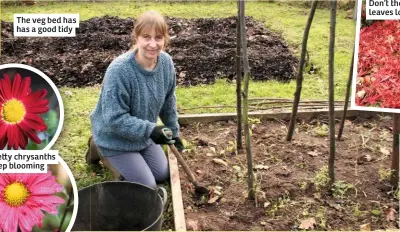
[133,168]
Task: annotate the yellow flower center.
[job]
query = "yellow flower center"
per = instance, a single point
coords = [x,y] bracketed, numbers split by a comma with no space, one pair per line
[16,194]
[13,111]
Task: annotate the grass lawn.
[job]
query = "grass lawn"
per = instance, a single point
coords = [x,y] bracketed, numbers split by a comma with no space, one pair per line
[289,21]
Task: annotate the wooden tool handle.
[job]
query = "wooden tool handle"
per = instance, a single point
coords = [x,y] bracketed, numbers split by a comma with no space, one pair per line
[184,164]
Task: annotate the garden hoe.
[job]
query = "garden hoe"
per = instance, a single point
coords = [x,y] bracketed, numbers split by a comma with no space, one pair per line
[200,190]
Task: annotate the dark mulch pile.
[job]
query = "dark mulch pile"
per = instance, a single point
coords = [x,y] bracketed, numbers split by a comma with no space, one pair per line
[203,50]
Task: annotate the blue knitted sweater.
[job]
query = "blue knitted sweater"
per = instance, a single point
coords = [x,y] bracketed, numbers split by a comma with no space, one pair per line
[130,102]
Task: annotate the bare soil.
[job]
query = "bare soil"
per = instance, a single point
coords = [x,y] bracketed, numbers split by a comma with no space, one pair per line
[203,50]
[289,182]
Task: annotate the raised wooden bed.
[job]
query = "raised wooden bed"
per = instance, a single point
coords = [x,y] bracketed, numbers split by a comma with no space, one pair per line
[177,203]
[178,208]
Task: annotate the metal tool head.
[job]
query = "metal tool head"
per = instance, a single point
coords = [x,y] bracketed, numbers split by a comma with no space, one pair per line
[168,134]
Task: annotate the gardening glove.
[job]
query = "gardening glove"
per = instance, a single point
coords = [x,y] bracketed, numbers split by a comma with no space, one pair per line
[162,135]
[178,144]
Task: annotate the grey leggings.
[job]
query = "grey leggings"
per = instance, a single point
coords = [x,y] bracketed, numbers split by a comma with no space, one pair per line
[146,167]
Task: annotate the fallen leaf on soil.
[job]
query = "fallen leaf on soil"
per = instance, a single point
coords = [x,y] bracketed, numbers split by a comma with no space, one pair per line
[334,205]
[217,192]
[237,168]
[364,158]
[365,227]
[188,209]
[212,143]
[261,195]
[368,158]
[220,161]
[213,199]
[212,149]
[384,151]
[313,153]
[192,225]
[390,215]
[261,167]
[307,223]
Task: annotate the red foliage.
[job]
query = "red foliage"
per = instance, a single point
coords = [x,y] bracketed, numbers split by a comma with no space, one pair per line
[379,65]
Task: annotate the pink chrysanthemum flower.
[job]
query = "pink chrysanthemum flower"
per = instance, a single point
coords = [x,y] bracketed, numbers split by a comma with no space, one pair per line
[23,197]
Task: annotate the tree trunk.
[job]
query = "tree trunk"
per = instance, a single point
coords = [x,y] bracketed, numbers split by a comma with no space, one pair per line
[250,176]
[238,82]
[346,99]
[394,179]
[299,80]
[331,165]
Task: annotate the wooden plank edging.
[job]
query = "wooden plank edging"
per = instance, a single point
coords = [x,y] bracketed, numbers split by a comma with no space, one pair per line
[177,202]
[186,119]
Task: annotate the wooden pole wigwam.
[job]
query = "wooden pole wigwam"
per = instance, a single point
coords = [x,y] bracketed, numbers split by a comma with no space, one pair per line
[250,175]
[332,150]
[238,82]
[346,99]
[299,79]
[394,178]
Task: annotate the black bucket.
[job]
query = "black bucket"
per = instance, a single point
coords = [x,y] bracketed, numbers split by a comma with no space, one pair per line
[118,206]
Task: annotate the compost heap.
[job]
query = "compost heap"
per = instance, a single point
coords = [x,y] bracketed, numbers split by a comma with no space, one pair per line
[202,49]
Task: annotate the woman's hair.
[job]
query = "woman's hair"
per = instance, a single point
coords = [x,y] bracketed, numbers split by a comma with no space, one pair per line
[150,19]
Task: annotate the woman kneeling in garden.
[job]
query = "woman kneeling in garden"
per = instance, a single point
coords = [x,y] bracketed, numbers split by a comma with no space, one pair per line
[138,87]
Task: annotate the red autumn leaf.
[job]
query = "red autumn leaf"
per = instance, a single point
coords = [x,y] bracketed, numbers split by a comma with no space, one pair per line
[390,215]
[379,65]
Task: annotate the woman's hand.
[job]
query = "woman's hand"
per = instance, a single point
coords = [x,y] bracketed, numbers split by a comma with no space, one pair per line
[161,135]
[178,144]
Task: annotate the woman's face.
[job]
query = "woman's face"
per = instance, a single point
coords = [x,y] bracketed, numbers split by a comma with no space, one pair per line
[150,44]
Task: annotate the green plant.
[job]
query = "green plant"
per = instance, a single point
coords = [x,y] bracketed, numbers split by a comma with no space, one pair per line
[321,215]
[340,188]
[190,147]
[282,202]
[274,158]
[301,165]
[396,193]
[321,130]
[384,173]
[303,185]
[254,121]
[321,178]
[240,172]
[357,212]
[231,147]
[376,212]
